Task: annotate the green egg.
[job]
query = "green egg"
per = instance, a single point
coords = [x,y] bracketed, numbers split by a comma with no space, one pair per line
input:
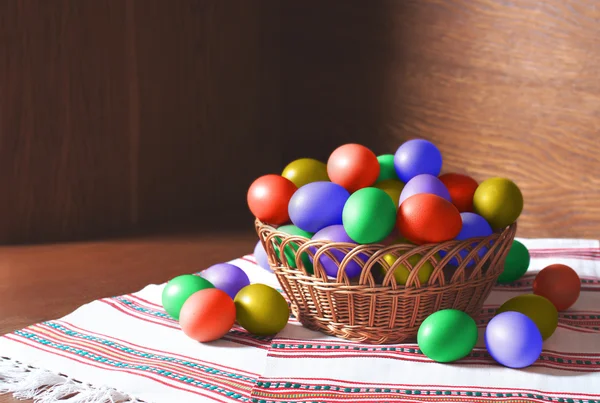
[290,249]
[369,215]
[516,264]
[447,335]
[387,170]
[179,289]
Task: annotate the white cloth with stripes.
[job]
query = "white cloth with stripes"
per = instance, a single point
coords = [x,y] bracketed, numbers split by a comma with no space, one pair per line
[126,349]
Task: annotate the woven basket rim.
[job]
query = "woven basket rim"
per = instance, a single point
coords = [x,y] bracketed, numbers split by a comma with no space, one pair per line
[382,311]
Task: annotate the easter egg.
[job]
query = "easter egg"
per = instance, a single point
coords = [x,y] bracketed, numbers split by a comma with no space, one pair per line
[513,340]
[387,170]
[260,254]
[353,166]
[560,284]
[179,289]
[516,263]
[289,251]
[226,277]
[207,315]
[261,310]
[539,309]
[473,225]
[393,188]
[402,271]
[392,238]
[268,198]
[428,218]
[424,183]
[305,170]
[369,215]
[499,201]
[447,335]
[416,157]
[337,233]
[461,189]
[317,205]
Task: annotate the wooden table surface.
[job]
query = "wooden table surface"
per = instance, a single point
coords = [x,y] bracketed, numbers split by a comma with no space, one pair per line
[45,282]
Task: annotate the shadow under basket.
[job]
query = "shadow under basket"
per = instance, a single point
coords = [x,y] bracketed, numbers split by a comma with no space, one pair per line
[383,300]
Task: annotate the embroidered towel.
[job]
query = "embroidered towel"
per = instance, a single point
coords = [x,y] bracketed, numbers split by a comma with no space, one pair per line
[127,349]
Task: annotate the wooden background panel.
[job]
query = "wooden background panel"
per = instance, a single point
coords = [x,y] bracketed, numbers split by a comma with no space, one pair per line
[504,88]
[144,114]
[63,119]
[203,95]
[133,115]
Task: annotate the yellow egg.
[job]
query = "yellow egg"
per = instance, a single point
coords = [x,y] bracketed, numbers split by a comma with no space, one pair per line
[392,187]
[305,170]
[401,273]
[499,201]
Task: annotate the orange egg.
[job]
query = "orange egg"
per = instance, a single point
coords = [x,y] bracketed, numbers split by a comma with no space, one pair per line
[558,283]
[353,166]
[207,315]
[428,218]
[461,188]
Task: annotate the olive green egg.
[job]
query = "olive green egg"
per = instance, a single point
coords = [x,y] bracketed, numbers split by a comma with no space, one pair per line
[499,201]
[539,309]
[261,309]
[447,335]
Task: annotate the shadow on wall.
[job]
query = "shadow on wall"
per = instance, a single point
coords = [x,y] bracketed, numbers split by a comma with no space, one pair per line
[334,78]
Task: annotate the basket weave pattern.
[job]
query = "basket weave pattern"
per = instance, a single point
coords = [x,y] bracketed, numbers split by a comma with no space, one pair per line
[373,308]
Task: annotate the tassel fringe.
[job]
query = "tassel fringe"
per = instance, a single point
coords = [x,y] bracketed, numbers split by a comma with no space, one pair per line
[43,386]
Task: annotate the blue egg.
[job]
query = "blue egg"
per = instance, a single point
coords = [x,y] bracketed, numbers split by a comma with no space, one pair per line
[337,233]
[260,254]
[425,183]
[473,225]
[317,205]
[513,340]
[416,157]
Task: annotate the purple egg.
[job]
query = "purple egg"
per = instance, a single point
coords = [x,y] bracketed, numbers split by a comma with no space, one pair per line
[513,340]
[416,157]
[424,183]
[317,205]
[337,233]
[260,254]
[226,277]
[473,225]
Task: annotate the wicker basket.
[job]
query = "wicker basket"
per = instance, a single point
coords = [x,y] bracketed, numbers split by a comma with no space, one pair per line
[373,308]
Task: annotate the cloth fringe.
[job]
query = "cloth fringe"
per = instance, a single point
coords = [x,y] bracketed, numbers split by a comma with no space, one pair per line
[43,386]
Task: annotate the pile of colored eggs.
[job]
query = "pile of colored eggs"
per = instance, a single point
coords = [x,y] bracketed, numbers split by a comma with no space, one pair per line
[208,305]
[515,335]
[361,198]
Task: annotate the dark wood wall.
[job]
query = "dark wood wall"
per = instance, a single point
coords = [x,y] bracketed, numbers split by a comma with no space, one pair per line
[145,113]
[123,114]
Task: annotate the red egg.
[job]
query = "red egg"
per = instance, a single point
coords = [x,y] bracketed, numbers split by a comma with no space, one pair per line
[268,198]
[461,188]
[558,283]
[428,218]
[207,315]
[353,166]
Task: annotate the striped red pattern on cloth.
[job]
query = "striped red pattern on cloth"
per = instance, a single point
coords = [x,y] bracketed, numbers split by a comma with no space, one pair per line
[127,349]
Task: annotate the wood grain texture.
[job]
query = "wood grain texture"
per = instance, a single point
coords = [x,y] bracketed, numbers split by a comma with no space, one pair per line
[63,116]
[121,115]
[46,282]
[505,88]
[137,114]
[203,93]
